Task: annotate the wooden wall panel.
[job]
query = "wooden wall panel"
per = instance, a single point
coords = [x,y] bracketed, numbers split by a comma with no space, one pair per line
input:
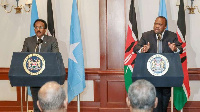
[96,91]
[115,110]
[102,33]
[113,95]
[115,33]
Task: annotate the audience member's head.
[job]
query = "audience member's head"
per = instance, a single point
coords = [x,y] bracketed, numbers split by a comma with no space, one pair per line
[52,97]
[141,96]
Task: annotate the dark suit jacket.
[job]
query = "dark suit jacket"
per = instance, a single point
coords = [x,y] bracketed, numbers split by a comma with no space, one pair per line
[49,44]
[150,37]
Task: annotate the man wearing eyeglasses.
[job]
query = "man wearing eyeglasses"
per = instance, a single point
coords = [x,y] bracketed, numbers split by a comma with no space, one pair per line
[46,43]
[39,43]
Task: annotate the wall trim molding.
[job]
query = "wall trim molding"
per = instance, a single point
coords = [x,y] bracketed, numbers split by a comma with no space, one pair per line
[94,73]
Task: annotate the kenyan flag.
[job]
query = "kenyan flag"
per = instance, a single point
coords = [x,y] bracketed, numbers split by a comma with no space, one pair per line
[181,94]
[131,41]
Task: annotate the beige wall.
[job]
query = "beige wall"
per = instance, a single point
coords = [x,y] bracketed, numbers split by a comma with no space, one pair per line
[16,27]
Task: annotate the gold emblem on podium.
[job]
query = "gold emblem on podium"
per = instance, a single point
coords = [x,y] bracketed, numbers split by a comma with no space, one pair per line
[158,65]
[34,64]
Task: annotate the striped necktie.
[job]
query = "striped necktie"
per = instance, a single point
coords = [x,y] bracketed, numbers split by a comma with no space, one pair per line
[159,43]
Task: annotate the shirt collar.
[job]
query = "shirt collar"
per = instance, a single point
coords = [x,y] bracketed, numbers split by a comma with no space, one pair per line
[41,38]
[162,35]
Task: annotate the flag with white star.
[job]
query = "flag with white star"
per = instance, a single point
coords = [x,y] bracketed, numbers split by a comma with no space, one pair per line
[76,70]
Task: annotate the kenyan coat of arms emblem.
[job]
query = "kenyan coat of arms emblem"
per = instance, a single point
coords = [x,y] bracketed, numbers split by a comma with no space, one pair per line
[158,65]
[34,64]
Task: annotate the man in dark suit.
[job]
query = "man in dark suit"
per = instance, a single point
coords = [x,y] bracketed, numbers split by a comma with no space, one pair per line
[39,43]
[159,40]
[49,43]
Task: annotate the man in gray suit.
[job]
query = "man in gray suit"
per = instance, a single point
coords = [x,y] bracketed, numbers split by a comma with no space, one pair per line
[159,40]
[39,43]
[48,44]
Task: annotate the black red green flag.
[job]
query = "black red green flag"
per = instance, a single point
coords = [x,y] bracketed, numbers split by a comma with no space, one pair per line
[181,94]
[131,41]
[50,20]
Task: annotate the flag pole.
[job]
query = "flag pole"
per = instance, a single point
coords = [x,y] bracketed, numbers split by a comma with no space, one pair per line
[27,99]
[78,103]
[172,98]
[78,96]
[21,100]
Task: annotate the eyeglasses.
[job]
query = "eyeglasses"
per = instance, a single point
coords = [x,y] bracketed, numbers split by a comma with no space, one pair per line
[39,27]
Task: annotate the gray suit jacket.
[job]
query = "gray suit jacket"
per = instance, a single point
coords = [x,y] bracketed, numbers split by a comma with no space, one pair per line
[49,44]
[150,37]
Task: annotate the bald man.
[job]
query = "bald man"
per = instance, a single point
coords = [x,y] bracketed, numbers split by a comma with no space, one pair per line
[52,98]
[141,96]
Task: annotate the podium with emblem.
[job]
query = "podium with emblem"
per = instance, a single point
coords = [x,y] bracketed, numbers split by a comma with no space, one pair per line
[162,70]
[35,69]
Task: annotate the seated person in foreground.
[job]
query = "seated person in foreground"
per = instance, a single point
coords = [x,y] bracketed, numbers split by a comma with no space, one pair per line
[52,98]
[141,96]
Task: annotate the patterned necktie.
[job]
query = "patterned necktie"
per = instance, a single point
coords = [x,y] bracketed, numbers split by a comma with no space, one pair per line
[159,43]
[39,45]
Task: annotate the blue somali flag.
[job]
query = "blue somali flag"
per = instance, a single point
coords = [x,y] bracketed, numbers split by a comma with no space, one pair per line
[163,10]
[76,71]
[34,16]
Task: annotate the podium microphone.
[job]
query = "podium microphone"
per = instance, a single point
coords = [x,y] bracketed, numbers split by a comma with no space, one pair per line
[38,43]
[159,36]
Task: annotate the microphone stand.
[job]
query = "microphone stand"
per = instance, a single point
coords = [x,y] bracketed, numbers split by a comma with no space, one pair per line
[38,43]
[36,46]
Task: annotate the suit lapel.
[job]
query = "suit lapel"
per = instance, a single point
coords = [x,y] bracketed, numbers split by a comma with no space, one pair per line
[154,41]
[34,41]
[164,41]
[44,43]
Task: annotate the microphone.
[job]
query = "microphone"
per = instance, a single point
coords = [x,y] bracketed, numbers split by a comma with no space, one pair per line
[38,43]
[159,36]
